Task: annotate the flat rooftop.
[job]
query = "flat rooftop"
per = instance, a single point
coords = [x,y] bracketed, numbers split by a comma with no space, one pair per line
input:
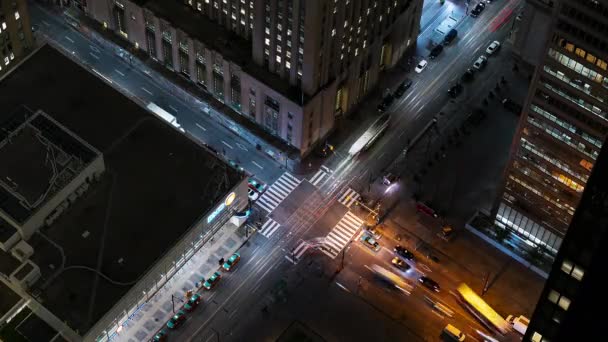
[8,299]
[232,46]
[39,158]
[157,183]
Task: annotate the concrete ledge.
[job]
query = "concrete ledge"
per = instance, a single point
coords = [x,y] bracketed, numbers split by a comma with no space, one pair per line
[500,247]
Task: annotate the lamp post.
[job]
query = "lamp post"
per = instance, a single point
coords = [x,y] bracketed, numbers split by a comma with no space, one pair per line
[343,255]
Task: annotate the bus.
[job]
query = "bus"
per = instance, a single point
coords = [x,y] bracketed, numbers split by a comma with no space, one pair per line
[392,278]
[370,136]
[481,310]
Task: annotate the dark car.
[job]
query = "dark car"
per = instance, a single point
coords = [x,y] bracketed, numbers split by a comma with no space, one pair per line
[425,209]
[256,185]
[478,9]
[455,90]
[387,101]
[212,281]
[436,51]
[161,336]
[429,283]
[449,37]
[512,106]
[177,320]
[403,252]
[324,150]
[468,75]
[193,302]
[405,85]
[400,264]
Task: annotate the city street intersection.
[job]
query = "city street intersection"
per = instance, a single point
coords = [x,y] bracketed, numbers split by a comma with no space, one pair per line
[305,262]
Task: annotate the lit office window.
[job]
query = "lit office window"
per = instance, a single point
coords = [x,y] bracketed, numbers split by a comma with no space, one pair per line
[17,16]
[564,303]
[553,296]
[577,273]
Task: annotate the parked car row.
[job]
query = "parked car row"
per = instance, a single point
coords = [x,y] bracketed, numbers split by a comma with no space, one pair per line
[195,300]
[479,64]
[388,100]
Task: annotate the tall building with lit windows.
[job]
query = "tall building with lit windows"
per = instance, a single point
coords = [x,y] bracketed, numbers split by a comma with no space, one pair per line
[293,67]
[16,39]
[571,306]
[563,125]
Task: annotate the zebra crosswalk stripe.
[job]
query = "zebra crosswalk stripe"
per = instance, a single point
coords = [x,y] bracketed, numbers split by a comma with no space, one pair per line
[269,228]
[300,250]
[318,177]
[349,197]
[277,192]
[342,232]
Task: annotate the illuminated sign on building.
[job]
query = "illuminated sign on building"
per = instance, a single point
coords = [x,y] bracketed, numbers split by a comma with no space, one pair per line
[227,202]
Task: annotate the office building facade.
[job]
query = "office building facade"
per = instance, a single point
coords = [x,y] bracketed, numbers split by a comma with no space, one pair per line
[563,125]
[293,67]
[571,305]
[16,39]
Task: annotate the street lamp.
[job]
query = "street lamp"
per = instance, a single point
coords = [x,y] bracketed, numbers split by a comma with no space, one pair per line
[343,254]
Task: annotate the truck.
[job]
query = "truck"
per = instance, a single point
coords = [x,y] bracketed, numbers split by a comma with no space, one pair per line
[447,39]
[163,114]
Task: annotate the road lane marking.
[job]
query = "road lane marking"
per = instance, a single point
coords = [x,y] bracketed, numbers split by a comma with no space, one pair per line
[201,127]
[46,23]
[94,48]
[342,286]
[93,55]
[120,73]
[258,165]
[173,108]
[147,91]
[103,76]
[227,144]
[233,313]
[70,39]
[239,145]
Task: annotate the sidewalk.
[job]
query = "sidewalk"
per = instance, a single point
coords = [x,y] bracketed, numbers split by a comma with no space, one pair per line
[153,315]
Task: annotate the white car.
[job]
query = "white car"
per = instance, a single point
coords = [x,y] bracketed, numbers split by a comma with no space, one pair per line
[253,195]
[480,63]
[421,66]
[495,46]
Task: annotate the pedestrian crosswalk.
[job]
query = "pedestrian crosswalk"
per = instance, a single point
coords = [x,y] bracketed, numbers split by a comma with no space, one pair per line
[317,179]
[349,197]
[298,252]
[269,227]
[278,192]
[341,234]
